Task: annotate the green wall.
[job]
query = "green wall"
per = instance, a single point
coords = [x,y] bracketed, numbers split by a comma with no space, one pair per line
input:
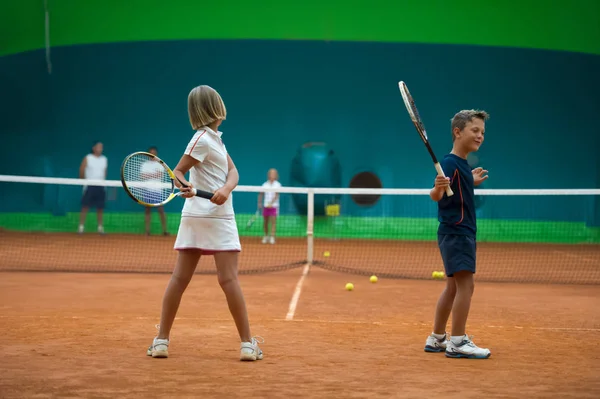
[566,25]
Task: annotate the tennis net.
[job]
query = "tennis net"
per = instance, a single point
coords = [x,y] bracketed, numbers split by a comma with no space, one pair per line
[542,236]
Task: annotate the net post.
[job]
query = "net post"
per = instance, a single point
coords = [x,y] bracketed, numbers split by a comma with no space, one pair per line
[310,220]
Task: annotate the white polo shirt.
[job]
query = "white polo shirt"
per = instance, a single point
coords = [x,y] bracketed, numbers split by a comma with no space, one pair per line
[153,172]
[95,167]
[269,195]
[209,174]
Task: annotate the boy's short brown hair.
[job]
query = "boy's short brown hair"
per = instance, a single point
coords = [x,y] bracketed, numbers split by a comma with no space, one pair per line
[465,116]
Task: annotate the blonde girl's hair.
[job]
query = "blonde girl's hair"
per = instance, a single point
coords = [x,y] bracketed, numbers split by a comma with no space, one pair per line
[205,106]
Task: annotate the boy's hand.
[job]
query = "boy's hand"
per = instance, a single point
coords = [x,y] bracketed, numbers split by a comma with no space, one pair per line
[442,182]
[479,176]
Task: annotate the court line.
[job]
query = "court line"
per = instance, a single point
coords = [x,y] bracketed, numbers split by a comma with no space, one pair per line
[314,321]
[297,292]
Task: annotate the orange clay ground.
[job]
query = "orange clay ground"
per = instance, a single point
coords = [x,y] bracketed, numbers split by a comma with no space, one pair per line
[70,335]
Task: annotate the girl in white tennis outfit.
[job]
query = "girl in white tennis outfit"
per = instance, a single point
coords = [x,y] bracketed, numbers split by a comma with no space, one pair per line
[207,227]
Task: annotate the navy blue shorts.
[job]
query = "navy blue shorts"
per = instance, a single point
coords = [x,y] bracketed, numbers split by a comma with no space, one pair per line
[152,196]
[94,197]
[458,253]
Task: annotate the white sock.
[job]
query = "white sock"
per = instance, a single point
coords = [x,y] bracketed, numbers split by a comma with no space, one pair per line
[438,336]
[457,339]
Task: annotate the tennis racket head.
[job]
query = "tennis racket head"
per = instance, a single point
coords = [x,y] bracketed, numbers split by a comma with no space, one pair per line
[409,102]
[147,179]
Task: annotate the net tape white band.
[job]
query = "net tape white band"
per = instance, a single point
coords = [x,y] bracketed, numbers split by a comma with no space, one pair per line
[304,190]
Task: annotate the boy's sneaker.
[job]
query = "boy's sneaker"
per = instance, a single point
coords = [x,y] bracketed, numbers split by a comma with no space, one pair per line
[249,351]
[271,240]
[436,345]
[265,239]
[466,349]
[159,348]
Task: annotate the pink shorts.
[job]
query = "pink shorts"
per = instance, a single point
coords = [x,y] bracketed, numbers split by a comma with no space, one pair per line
[269,211]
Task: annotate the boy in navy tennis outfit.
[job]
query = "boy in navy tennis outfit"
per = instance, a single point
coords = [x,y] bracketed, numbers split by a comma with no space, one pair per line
[457,237]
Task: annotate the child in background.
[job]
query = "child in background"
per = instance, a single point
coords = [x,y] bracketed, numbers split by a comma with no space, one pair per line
[270,206]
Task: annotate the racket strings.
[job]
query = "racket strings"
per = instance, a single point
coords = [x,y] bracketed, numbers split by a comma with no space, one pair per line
[414,110]
[146,179]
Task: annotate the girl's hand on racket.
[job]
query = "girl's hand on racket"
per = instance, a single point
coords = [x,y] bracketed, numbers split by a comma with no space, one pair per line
[220,196]
[442,182]
[479,176]
[187,192]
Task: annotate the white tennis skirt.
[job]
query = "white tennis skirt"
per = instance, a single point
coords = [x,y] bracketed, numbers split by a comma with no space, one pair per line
[209,234]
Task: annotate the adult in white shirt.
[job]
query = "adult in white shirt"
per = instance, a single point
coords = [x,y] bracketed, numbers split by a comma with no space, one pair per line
[207,227]
[269,202]
[93,167]
[152,171]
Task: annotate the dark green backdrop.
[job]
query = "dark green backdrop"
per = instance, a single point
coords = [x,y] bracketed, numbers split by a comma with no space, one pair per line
[122,71]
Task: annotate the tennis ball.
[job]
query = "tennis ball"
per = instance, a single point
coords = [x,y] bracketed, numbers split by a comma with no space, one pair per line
[349,287]
[326,254]
[440,275]
[373,279]
[434,274]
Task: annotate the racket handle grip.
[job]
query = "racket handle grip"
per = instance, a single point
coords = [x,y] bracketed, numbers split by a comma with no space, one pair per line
[203,194]
[440,172]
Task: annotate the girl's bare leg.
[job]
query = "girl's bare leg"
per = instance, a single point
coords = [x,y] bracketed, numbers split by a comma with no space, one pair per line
[227,274]
[187,260]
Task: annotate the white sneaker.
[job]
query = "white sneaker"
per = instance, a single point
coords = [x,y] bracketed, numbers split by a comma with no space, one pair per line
[436,345]
[466,349]
[101,229]
[159,348]
[265,239]
[81,229]
[249,351]
[272,240]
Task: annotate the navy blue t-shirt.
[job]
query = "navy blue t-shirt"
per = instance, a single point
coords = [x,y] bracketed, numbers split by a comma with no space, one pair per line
[456,214]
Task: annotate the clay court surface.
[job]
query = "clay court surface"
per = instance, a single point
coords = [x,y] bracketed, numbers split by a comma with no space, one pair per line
[71,335]
[84,335]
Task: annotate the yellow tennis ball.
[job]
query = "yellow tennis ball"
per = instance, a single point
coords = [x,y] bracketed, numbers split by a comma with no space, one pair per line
[373,279]
[440,275]
[326,254]
[349,287]
[434,274]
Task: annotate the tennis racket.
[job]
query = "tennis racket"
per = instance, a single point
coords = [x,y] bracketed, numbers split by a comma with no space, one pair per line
[414,115]
[253,219]
[150,182]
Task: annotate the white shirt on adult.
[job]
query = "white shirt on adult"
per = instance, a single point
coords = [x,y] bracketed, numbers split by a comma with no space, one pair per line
[209,174]
[95,167]
[152,172]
